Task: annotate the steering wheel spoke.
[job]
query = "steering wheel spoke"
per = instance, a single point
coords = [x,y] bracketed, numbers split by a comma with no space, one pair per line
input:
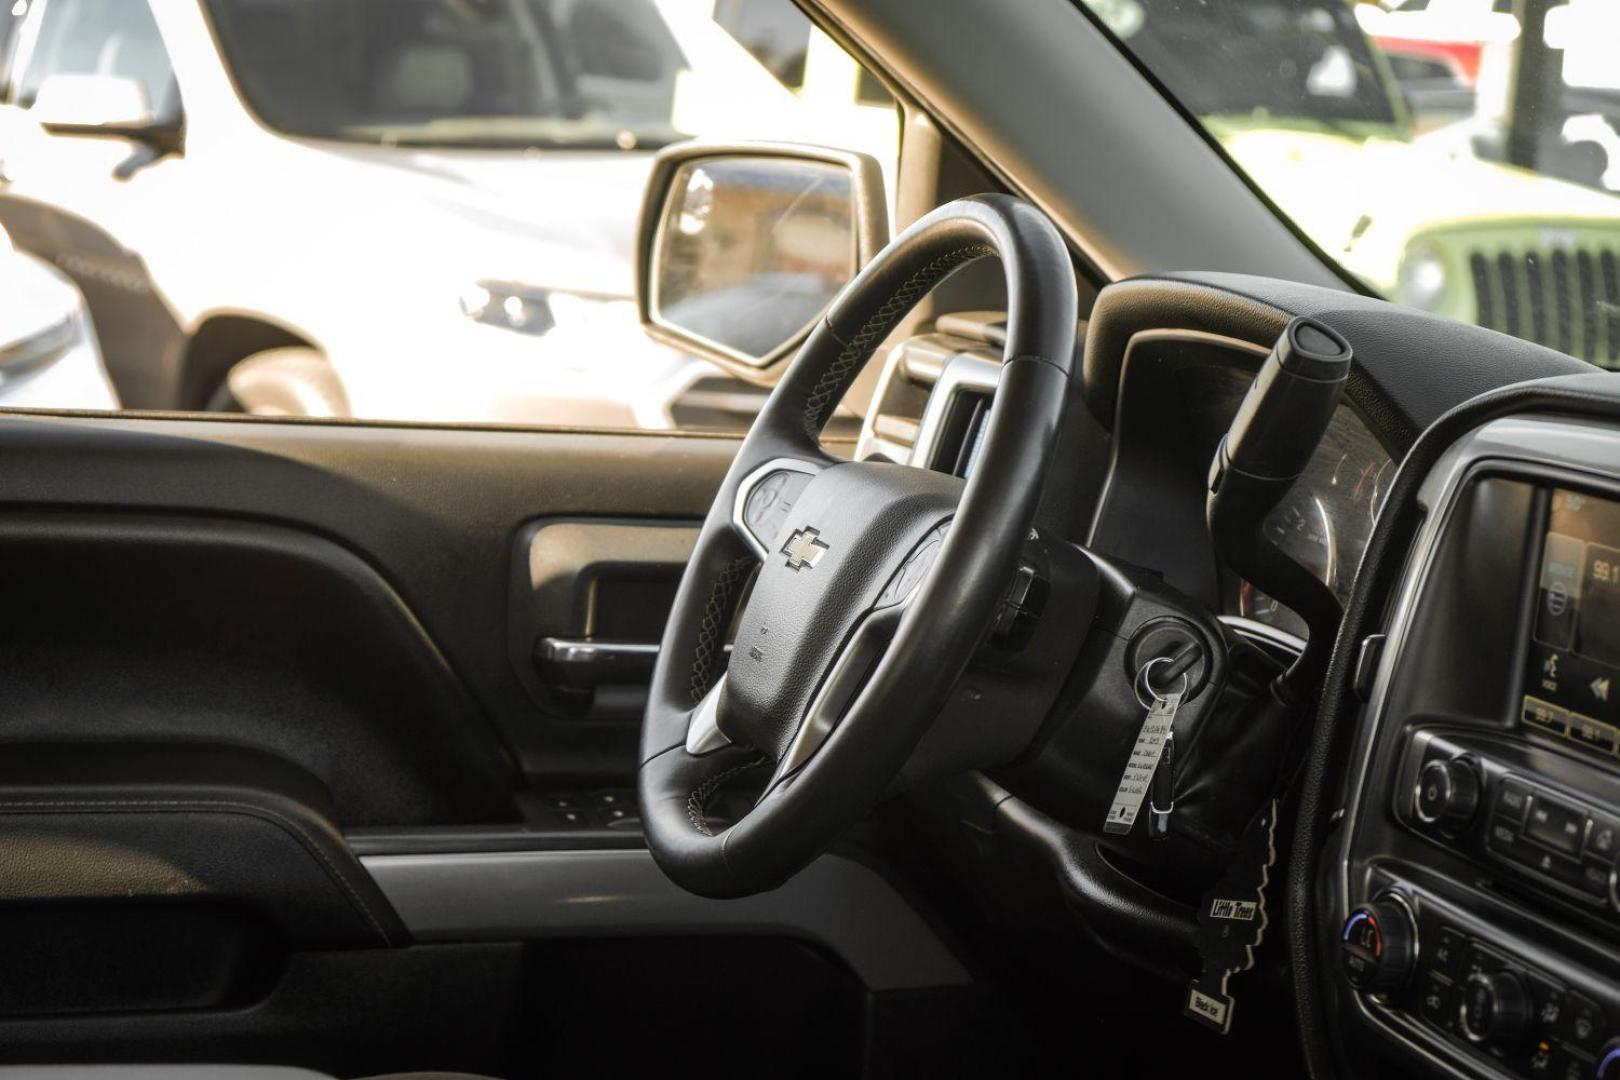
[845,678]
[703,734]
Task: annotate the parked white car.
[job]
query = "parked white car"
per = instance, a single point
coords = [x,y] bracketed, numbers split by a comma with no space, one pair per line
[406,209]
[48,354]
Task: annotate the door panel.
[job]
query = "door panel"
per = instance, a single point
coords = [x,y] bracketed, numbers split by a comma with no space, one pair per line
[234,534]
[231,641]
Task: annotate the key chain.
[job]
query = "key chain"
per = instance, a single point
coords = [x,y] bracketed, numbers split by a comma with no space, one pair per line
[1145,754]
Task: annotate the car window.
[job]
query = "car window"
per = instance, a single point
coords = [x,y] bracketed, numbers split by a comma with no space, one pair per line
[10,17]
[98,37]
[1455,156]
[416,210]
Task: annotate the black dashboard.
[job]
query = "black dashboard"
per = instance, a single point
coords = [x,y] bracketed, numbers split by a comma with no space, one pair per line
[1478,874]
[1456,905]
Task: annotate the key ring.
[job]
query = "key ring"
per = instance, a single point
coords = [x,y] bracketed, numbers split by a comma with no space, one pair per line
[1141,677]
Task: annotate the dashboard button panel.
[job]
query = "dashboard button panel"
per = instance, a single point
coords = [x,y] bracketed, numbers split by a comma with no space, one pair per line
[1483,996]
[1540,835]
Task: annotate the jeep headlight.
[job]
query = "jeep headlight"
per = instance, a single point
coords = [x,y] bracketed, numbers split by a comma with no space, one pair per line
[522,309]
[1423,281]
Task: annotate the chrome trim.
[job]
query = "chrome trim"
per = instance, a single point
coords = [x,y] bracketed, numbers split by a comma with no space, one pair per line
[1263,633]
[570,651]
[746,488]
[965,371]
[703,734]
[1573,446]
[1398,897]
[848,908]
[839,688]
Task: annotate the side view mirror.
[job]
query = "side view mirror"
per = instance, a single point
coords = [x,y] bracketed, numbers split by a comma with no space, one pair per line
[104,106]
[743,246]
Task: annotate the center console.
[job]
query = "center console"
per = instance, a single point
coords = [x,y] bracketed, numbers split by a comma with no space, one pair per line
[1477,894]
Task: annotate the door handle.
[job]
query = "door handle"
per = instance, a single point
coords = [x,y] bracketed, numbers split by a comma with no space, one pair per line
[582,664]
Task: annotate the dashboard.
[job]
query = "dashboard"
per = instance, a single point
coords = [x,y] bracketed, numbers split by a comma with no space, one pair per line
[1478,879]
[1462,868]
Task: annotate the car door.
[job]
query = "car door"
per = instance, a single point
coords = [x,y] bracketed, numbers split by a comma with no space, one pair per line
[317,738]
[89,204]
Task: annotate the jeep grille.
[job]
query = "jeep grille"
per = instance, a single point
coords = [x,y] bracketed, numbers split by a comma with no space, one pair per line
[1567,299]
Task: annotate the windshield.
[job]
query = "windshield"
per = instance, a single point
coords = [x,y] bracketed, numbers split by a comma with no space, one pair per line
[500,73]
[1279,58]
[1456,157]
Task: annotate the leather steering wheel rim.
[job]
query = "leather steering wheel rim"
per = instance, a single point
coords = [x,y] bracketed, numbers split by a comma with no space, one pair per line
[805,615]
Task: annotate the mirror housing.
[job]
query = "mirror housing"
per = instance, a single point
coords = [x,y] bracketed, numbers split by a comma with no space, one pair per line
[743,246]
[102,106]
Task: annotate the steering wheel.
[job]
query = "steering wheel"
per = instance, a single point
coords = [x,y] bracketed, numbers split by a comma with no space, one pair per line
[876,581]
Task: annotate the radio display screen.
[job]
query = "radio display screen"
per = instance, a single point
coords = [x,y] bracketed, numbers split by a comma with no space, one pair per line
[1572,681]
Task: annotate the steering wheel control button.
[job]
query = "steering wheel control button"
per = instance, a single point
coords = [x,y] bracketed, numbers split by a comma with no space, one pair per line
[1556,826]
[1495,1009]
[914,569]
[766,511]
[1447,794]
[1378,946]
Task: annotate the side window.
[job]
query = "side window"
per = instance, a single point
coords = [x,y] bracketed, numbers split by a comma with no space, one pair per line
[100,37]
[444,198]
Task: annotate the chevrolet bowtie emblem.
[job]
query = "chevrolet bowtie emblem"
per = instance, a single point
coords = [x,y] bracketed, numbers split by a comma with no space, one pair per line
[803,549]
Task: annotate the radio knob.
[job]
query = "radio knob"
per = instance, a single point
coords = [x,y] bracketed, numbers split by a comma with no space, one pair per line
[1447,794]
[1379,945]
[1495,1009]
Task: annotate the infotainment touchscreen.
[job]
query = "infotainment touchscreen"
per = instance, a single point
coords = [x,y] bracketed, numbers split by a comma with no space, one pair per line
[1572,684]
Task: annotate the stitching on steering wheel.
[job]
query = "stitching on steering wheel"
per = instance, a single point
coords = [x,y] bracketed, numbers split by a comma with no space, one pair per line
[708,652]
[698,801]
[835,380]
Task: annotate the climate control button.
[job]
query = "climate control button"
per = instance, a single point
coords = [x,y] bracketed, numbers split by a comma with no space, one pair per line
[1378,947]
[1495,1009]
